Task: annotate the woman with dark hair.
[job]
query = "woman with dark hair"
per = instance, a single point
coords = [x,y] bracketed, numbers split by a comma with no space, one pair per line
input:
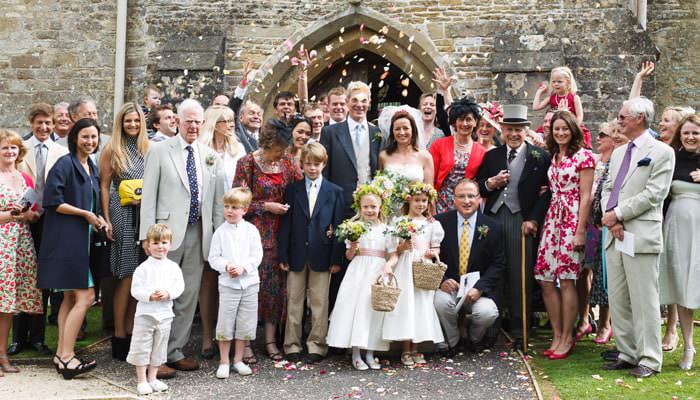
[72,212]
[679,271]
[122,163]
[402,155]
[301,132]
[564,231]
[267,172]
[18,292]
[458,156]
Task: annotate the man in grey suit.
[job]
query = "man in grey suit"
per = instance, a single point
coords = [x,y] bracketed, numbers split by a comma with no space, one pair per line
[633,195]
[183,187]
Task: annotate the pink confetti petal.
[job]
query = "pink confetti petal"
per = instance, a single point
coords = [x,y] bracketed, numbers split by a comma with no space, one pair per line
[289,45]
[294,61]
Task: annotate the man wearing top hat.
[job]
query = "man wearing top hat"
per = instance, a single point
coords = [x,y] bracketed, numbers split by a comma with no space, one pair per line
[510,179]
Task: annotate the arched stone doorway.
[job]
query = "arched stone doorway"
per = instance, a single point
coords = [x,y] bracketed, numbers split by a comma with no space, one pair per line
[356,30]
[391,85]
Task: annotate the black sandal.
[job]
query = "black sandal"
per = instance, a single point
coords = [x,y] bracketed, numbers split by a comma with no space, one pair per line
[83,367]
[250,359]
[276,356]
[55,363]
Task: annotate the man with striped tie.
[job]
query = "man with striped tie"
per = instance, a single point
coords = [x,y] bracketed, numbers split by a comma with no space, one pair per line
[473,243]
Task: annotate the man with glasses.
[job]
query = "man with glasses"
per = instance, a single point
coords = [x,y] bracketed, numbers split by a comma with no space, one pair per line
[633,196]
[183,187]
[473,243]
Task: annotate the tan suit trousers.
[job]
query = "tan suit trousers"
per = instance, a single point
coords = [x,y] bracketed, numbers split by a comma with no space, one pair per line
[313,286]
[633,291]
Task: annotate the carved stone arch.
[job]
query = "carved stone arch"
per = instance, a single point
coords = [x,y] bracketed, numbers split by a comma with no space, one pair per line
[406,47]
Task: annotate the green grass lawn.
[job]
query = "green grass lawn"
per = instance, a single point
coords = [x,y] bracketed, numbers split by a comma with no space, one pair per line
[581,375]
[93,334]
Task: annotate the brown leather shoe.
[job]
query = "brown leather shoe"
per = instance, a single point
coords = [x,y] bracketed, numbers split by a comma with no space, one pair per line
[186,364]
[165,372]
[642,371]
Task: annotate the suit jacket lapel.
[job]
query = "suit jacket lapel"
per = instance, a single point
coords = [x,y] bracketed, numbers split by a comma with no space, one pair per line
[321,198]
[642,152]
[374,148]
[203,155]
[529,162]
[476,242]
[453,243]
[346,142]
[178,159]
[303,198]
[30,158]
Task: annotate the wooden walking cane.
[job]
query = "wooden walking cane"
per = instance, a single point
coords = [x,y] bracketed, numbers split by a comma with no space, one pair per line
[523,295]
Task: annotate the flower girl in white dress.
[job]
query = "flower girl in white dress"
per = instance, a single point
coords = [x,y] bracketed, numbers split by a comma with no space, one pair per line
[414,319]
[353,322]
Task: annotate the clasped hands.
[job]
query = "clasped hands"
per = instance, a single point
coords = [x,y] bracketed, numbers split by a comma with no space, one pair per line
[159,295]
[616,228]
[235,270]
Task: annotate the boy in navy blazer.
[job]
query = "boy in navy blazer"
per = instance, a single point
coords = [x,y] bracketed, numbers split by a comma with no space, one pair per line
[308,250]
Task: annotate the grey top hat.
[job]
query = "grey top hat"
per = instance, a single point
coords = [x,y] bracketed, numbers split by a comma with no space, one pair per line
[515,114]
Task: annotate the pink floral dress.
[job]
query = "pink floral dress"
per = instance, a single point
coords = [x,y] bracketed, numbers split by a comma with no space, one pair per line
[18,291]
[556,257]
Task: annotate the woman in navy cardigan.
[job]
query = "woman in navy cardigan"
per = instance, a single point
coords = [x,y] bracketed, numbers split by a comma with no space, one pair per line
[72,211]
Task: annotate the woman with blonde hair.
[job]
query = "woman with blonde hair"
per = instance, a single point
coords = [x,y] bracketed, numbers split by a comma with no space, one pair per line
[121,166]
[219,133]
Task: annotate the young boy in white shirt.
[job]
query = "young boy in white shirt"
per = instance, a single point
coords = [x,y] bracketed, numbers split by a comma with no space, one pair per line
[156,282]
[236,251]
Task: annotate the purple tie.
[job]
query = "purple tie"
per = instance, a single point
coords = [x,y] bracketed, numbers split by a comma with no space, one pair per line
[621,174]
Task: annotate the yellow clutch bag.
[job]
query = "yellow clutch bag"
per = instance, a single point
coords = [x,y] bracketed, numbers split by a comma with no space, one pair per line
[130,190]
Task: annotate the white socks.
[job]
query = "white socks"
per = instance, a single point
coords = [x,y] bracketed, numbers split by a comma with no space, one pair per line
[357,359]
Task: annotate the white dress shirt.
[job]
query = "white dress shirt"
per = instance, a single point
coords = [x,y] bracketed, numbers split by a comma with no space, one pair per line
[152,275]
[197,166]
[639,142]
[238,244]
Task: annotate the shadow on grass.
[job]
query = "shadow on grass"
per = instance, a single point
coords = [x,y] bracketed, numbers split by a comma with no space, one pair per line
[581,376]
[93,334]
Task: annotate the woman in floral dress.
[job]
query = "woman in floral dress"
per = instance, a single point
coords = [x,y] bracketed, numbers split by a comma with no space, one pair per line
[457,157]
[563,237]
[267,172]
[18,290]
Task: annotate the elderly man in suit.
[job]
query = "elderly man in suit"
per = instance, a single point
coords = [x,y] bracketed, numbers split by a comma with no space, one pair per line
[42,153]
[633,195]
[183,187]
[353,150]
[473,242]
[511,177]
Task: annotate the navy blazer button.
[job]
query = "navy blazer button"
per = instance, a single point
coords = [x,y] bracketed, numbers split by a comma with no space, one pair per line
[306,243]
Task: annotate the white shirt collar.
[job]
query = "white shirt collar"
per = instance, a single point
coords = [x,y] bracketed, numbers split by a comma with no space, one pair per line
[519,150]
[184,144]
[316,182]
[352,124]
[36,141]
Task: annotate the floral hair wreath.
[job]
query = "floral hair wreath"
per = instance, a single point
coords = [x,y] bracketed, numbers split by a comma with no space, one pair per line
[369,189]
[416,188]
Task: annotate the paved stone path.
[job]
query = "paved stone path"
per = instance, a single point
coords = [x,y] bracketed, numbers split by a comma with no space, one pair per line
[494,374]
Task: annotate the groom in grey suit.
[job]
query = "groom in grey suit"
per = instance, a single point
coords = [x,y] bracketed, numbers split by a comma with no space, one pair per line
[633,195]
[183,187]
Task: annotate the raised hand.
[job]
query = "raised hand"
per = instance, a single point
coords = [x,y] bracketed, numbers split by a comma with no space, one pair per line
[647,69]
[443,81]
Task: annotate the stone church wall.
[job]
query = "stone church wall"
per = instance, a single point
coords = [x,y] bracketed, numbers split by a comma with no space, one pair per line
[498,49]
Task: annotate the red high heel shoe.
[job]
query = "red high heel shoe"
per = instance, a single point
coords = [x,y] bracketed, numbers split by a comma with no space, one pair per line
[555,356]
[547,353]
[604,340]
[580,335]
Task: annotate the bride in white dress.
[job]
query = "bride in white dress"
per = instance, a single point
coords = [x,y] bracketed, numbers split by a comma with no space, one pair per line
[402,154]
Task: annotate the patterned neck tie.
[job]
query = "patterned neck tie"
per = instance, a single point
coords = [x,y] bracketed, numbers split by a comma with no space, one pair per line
[40,157]
[621,174]
[312,198]
[358,135]
[511,155]
[464,249]
[194,188]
